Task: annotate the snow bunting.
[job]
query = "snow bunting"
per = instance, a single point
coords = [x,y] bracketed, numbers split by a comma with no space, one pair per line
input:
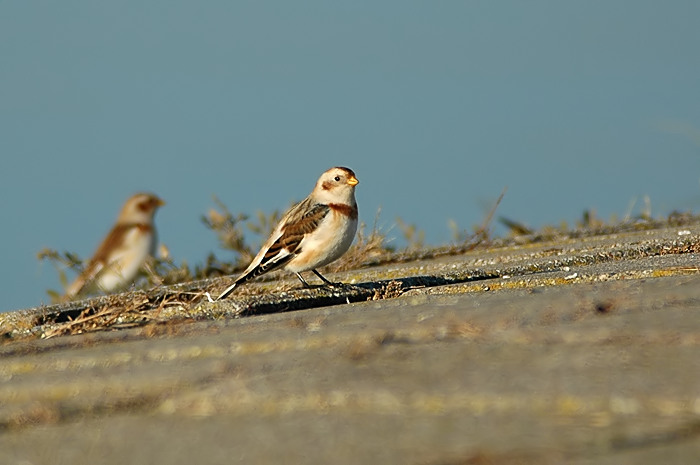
[125,249]
[313,233]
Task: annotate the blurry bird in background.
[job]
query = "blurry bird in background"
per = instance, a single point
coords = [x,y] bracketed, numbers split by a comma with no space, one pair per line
[124,251]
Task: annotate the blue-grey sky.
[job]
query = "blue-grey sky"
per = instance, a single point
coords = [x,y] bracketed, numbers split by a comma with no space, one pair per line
[437,106]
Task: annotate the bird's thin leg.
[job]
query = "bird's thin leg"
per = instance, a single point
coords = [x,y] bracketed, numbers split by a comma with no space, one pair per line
[303,281]
[323,279]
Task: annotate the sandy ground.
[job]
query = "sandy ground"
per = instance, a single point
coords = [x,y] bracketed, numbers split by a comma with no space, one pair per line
[577,351]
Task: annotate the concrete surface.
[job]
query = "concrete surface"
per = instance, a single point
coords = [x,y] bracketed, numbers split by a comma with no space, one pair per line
[577,351]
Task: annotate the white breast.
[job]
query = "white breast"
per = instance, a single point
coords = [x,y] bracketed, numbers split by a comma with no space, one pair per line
[126,261]
[326,244]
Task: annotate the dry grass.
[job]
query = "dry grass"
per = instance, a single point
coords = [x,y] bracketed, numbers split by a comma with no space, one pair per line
[61,262]
[119,311]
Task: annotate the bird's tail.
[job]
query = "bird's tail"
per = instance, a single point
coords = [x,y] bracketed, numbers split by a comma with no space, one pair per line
[75,288]
[242,279]
[254,273]
[228,290]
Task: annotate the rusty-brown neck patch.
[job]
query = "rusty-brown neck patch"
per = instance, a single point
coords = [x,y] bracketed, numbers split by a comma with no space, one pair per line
[347,210]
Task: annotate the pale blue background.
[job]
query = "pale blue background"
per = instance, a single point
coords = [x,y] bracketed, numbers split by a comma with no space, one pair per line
[436,105]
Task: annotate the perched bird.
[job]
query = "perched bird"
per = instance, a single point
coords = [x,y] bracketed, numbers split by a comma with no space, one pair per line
[125,249]
[313,233]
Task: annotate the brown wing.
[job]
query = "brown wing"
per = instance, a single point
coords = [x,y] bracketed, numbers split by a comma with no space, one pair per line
[114,240]
[302,219]
[295,229]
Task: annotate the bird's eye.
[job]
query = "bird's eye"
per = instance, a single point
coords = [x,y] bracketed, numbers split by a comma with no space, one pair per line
[337,178]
